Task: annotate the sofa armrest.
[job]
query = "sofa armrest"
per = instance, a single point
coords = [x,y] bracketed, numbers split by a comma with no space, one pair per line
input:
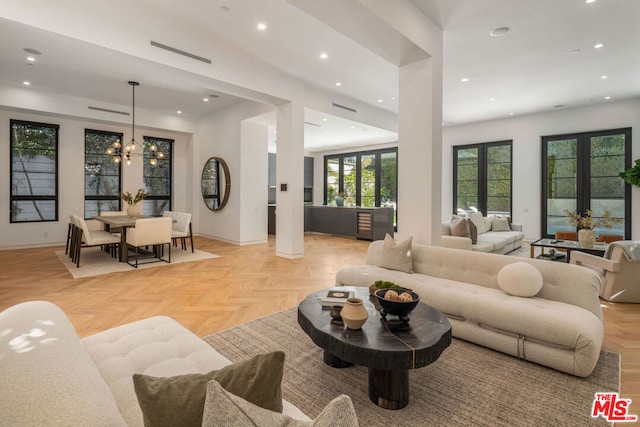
[456,242]
[516,227]
[585,259]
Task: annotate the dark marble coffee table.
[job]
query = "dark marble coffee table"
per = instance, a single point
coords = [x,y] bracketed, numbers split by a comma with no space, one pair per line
[388,349]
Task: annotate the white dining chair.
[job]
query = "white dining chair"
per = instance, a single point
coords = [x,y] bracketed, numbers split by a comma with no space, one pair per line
[154,232]
[182,230]
[85,238]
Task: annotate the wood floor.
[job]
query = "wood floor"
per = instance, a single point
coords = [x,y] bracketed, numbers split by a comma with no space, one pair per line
[246,283]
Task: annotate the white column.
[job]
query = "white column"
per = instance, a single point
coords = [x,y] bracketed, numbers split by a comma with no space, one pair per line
[420,151]
[290,173]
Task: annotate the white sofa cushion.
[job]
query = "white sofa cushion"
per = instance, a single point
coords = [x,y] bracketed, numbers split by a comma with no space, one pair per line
[520,279]
[48,379]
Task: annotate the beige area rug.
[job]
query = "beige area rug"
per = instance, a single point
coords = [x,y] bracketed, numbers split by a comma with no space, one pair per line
[94,262]
[468,385]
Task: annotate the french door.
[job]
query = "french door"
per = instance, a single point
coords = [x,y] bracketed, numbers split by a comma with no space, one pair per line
[580,172]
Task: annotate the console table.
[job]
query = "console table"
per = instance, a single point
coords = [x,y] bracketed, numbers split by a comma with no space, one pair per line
[360,222]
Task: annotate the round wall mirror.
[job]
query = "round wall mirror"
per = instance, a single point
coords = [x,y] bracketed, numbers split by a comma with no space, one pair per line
[216,183]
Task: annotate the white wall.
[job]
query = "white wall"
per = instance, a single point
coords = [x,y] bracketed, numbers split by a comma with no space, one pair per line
[71,175]
[526,133]
[220,135]
[253,177]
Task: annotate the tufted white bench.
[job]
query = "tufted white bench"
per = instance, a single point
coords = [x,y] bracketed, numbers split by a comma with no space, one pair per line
[560,327]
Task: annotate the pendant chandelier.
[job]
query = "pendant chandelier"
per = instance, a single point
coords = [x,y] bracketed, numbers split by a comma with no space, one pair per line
[119,153]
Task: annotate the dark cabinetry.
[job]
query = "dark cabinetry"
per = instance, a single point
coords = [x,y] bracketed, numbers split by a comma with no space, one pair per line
[361,223]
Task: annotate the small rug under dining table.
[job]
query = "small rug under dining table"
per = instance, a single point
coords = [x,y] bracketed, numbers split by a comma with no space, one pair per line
[468,385]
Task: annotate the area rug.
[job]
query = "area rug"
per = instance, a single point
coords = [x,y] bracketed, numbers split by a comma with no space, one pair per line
[468,385]
[94,262]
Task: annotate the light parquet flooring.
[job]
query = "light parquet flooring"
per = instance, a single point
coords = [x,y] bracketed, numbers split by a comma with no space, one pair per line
[246,283]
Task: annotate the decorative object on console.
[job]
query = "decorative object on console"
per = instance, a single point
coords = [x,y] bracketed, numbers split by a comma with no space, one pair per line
[339,200]
[118,152]
[354,313]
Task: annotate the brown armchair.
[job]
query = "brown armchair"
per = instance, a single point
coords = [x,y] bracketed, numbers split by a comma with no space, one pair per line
[619,269]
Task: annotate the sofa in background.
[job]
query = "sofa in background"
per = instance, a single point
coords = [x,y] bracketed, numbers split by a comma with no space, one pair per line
[51,377]
[492,234]
[544,312]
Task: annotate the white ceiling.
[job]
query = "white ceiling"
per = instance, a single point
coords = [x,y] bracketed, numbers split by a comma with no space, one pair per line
[546,60]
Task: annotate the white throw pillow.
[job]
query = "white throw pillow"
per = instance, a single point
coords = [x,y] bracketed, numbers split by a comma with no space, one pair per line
[396,255]
[222,408]
[478,220]
[520,279]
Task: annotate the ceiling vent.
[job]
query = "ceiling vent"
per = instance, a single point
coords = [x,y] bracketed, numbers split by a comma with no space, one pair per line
[180,52]
[353,110]
[312,124]
[124,113]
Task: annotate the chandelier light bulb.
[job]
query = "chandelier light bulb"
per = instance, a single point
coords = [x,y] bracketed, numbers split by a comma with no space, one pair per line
[153,148]
[128,161]
[117,159]
[160,155]
[110,151]
[116,144]
[153,161]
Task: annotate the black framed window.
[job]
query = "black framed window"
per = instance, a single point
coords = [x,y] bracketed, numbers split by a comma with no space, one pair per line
[34,171]
[102,176]
[157,177]
[482,175]
[580,172]
[366,178]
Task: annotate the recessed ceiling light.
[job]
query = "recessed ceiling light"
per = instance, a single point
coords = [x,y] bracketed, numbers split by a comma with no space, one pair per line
[607,97]
[492,99]
[338,84]
[325,119]
[262,26]
[324,55]
[500,31]
[352,127]
[464,79]
[31,59]
[26,83]
[32,51]
[380,100]
[205,99]
[590,1]
[604,77]
[598,46]
[179,112]
[511,113]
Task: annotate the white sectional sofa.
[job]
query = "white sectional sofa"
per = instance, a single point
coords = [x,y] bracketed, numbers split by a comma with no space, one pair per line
[50,377]
[560,327]
[490,237]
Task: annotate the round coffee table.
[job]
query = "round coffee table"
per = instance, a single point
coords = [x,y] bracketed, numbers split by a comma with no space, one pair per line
[387,348]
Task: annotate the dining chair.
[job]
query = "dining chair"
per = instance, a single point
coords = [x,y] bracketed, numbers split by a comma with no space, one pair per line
[70,233]
[182,230]
[154,232]
[112,213]
[84,238]
[608,238]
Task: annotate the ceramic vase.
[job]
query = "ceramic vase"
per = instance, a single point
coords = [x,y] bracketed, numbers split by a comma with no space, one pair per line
[134,210]
[339,201]
[586,238]
[354,313]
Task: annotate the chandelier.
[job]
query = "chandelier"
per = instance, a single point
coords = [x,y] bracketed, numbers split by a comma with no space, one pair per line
[119,153]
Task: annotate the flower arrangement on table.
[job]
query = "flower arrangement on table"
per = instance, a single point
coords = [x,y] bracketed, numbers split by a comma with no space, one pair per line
[587,222]
[132,200]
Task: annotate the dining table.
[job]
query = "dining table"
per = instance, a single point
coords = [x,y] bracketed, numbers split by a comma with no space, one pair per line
[123,222]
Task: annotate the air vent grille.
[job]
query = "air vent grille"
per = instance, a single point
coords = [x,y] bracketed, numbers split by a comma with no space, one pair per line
[353,110]
[180,52]
[124,113]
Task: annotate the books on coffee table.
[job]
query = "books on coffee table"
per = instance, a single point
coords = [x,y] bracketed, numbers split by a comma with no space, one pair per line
[336,297]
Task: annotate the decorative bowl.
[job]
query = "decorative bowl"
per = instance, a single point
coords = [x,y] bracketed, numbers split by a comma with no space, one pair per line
[399,308]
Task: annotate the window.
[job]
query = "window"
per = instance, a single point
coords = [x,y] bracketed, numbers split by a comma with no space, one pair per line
[102,176]
[580,172]
[367,179]
[157,178]
[482,178]
[34,171]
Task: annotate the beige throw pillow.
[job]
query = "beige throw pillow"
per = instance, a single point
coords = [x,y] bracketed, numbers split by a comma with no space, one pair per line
[500,224]
[180,400]
[222,408]
[478,220]
[520,279]
[396,255]
[459,227]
